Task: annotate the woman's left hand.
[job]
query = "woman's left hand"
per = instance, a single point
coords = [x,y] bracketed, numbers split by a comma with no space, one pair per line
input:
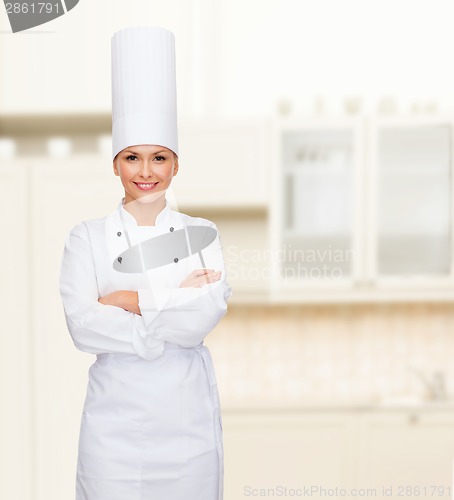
[127,300]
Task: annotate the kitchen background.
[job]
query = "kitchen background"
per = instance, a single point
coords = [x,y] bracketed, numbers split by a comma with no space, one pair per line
[318,136]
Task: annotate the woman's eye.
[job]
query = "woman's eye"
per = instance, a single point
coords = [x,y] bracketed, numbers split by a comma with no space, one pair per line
[132,157]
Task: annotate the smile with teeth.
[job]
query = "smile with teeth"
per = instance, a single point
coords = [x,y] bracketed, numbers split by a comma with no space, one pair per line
[145,186]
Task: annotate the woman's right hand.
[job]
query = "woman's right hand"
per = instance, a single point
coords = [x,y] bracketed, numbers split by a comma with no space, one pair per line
[200,277]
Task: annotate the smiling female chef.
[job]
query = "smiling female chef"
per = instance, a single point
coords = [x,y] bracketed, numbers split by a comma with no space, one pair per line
[141,288]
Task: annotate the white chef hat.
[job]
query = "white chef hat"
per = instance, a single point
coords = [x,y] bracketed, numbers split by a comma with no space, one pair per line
[144,95]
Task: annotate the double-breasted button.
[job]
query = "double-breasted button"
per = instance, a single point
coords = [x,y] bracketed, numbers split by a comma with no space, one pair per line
[119,259]
[171,229]
[119,233]
[175,259]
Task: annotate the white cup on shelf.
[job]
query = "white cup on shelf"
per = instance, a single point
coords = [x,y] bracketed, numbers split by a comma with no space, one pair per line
[105,144]
[8,148]
[59,147]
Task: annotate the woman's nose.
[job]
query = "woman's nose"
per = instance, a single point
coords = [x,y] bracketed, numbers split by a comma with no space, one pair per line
[146,169]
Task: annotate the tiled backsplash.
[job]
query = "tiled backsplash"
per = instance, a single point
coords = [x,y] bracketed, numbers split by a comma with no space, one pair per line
[286,356]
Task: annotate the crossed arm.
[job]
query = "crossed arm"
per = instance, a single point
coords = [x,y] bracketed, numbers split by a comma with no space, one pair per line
[129,300]
[139,322]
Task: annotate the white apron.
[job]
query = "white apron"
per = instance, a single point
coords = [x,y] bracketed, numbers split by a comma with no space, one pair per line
[151,426]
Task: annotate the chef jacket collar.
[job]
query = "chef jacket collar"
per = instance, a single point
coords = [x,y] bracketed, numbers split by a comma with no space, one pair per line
[162,218]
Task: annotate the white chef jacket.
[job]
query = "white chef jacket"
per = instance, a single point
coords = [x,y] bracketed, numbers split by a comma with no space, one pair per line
[145,364]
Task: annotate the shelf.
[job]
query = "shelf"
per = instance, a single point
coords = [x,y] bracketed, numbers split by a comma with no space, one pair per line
[20,125]
[232,211]
[325,296]
[289,408]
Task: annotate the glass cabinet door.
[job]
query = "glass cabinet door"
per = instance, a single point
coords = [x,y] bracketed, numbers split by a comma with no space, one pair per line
[413,200]
[318,204]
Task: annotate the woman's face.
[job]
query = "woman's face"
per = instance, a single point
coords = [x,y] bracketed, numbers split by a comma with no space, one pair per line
[146,171]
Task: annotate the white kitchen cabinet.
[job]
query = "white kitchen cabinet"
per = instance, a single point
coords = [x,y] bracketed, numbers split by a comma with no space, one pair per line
[16,340]
[409,451]
[349,449]
[62,192]
[411,202]
[59,69]
[315,207]
[290,451]
[363,209]
[64,66]
[223,164]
